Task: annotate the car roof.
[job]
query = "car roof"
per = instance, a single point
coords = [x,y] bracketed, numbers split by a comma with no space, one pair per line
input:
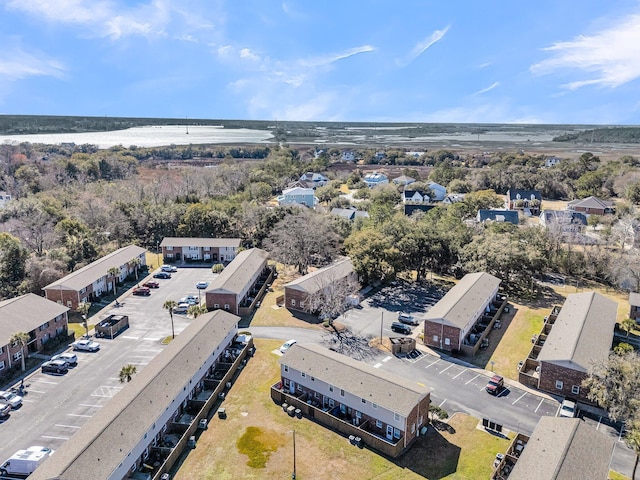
[496,378]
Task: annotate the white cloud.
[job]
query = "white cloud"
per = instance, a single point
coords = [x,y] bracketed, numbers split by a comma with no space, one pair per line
[487,89]
[292,12]
[328,59]
[249,55]
[16,64]
[423,46]
[611,56]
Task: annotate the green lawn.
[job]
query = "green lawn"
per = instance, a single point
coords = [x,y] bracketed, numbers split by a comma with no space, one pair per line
[617,476]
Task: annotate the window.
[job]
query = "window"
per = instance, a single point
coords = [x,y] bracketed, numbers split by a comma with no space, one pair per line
[396,417]
[286,368]
[83,290]
[1,350]
[217,305]
[374,405]
[169,255]
[286,382]
[363,401]
[313,379]
[435,338]
[396,433]
[17,356]
[226,306]
[378,424]
[341,393]
[168,248]
[304,375]
[447,341]
[301,304]
[299,387]
[575,389]
[559,384]
[316,395]
[358,414]
[293,302]
[206,249]
[331,388]
[413,428]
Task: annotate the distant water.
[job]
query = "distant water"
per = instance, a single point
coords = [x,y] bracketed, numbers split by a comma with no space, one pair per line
[153,136]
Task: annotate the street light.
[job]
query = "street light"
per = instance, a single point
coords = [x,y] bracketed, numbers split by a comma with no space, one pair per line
[293,475]
[158,251]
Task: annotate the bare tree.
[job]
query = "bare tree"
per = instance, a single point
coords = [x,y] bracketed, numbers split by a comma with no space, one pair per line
[329,299]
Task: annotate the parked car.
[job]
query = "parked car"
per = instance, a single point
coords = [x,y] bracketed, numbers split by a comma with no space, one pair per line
[55,366]
[163,275]
[70,358]
[495,385]
[151,284]
[408,319]
[567,409]
[202,285]
[142,291]
[86,345]
[193,299]
[11,398]
[287,345]
[400,328]
[181,308]
[5,408]
[169,268]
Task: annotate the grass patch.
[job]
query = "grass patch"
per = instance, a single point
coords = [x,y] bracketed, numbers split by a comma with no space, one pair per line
[167,340]
[613,475]
[78,330]
[258,445]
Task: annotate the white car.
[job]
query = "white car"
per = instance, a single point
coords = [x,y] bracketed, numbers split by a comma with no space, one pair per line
[202,285]
[169,268]
[287,345]
[11,398]
[408,319]
[70,358]
[181,308]
[86,345]
[567,409]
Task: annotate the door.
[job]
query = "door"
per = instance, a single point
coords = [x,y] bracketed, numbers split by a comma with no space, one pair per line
[389,432]
[292,387]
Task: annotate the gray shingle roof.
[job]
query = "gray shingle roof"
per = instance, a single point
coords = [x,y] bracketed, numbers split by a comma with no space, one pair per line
[90,273]
[200,242]
[515,194]
[634,299]
[26,313]
[239,272]
[382,388]
[463,301]
[98,448]
[321,278]
[590,202]
[564,449]
[583,332]
[510,216]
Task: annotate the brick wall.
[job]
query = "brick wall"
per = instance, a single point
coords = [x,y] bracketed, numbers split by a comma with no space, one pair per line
[550,373]
[222,299]
[432,329]
[298,297]
[68,298]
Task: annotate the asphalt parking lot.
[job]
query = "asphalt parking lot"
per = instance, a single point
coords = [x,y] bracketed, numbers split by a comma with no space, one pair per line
[56,406]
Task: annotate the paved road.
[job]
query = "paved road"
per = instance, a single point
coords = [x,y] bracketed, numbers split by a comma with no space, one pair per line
[56,406]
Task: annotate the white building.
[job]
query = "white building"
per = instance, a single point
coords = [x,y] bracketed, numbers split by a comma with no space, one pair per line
[374,179]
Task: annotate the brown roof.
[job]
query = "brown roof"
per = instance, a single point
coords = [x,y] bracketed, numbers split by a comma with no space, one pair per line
[583,332]
[26,313]
[462,302]
[564,449]
[239,272]
[390,391]
[200,242]
[321,278]
[97,449]
[90,273]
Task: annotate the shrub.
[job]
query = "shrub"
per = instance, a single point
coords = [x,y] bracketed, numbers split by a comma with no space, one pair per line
[217,268]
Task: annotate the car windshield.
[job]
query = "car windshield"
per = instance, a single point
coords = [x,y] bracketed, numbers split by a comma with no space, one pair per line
[494,383]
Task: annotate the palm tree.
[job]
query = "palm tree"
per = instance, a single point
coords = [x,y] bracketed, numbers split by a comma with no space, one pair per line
[114,272]
[83,309]
[21,338]
[196,310]
[170,305]
[135,263]
[127,372]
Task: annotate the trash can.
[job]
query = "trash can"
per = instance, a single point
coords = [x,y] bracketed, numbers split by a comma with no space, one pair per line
[298,413]
[191,443]
[285,405]
[352,439]
[222,413]
[291,410]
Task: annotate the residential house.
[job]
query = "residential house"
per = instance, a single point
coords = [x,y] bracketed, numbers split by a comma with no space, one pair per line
[573,339]
[453,198]
[176,249]
[298,196]
[348,156]
[350,213]
[314,180]
[592,206]
[465,315]
[90,282]
[510,216]
[297,293]
[4,199]
[634,302]
[146,425]
[551,161]
[437,192]
[384,410]
[415,154]
[374,179]
[411,208]
[529,201]
[403,180]
[415,196]
[380,155]
[241,283]
[558,449]
[39,318]
[564,221]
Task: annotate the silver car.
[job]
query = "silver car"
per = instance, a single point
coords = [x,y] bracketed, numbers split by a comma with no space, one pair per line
[11,398]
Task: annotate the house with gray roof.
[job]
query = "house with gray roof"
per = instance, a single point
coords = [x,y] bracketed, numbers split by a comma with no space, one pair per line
[403,180]
[153,415]
[509,216]
[529,201]
[461,318]
[563,221]
[90,282]
[194,249]
[558,449]
[241,283]
[39,318]
[592,206]
[573,338]
[350,213]
[297,293]
[384,410]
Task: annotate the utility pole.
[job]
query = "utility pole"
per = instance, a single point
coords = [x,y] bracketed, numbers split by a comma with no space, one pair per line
[293,475]
[381,323]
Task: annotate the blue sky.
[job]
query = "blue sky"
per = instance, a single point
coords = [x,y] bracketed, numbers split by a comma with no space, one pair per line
[548,61]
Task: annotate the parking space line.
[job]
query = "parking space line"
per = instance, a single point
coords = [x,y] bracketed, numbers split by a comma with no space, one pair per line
[67,426]
[432,363]
[536,410]
[467,383]
[519,398]
[31,390]
[78,415]
[45,381]
[55,438]
[129,338]
[87,405]
[447,368]
[377,365]
[459,374]
[387,359]
[443,402]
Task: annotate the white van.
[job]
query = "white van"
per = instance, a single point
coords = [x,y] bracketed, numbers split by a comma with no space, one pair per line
[25,462]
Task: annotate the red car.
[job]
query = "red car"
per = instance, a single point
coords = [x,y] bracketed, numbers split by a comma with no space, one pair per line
[142,291]
[151,284]
[495,385]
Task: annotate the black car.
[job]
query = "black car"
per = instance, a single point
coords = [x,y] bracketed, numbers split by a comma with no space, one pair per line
[164,275]
[55,366]
[401,328]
